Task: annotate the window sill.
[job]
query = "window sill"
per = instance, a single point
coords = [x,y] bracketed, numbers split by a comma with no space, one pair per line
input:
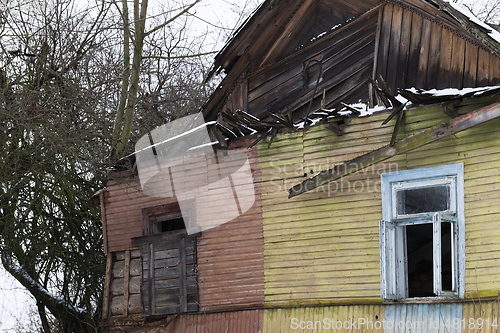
[426,300]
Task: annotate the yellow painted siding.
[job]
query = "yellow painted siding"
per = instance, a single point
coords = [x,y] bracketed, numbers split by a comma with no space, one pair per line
[320,319]
[322,247]
[479,149]
[481,316]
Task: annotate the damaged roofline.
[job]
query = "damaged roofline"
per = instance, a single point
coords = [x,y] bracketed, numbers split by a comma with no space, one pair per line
[414,141]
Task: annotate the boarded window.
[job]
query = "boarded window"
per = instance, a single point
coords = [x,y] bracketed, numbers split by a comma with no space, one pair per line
[168,255]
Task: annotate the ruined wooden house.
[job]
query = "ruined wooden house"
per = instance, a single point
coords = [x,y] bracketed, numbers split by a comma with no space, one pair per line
[374,196]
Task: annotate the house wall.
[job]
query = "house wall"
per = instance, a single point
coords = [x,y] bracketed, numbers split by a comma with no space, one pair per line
[322,247]
[422,51]
[229,257]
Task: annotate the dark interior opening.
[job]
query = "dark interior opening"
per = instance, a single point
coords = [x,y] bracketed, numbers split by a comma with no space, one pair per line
[419,256]
[169,225]
[423,199]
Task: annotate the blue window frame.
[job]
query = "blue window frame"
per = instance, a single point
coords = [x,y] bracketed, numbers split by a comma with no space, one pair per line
[422,233]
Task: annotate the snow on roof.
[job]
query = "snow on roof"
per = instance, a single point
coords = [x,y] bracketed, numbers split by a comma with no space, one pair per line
[465,11]
[363,110]
[453,92]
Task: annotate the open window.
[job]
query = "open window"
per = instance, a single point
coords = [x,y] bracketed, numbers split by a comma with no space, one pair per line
[168,254]
[422,240]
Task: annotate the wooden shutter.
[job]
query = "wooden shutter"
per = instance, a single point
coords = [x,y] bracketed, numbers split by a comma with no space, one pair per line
[169,279]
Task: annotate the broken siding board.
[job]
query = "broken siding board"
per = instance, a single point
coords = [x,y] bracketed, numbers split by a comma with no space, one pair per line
[290,32]
[349,79]
[288,90]
[296,60]
[457,63]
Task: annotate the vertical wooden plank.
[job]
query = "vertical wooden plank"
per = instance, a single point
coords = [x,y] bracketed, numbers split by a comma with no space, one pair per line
[457,62]
[107,282]
[434,54]
[494,70]
[146,224]
[182,275]
[126,278]
[470,70]
[404,50]
[423,59]
[394,49]
[377,41]
[415,36]
[244,95]
[445,59]
[483,68]
[103,220]
[385,36]
[151,280]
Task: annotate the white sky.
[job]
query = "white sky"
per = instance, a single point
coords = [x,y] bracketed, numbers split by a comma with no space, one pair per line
[15,302]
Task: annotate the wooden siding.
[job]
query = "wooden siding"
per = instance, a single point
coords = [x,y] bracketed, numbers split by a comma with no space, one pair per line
[347,61]
[280,320]
[479,149]
[481,316]
[230,258]
[323,247]
[124,201]
[125,279]
[436,318]
[250,321]
[417,52]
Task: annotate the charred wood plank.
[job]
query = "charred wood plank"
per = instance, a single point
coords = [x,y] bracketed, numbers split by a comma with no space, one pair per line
[396,128]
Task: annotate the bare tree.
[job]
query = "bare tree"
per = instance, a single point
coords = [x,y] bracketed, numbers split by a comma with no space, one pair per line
[487,11]
[53,148]
[132,65]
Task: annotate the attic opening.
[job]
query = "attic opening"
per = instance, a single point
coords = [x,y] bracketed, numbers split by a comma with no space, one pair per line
[165,218]
[169,223]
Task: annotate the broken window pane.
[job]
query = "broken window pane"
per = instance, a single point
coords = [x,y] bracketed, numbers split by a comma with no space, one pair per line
[419,254]
[423,200]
